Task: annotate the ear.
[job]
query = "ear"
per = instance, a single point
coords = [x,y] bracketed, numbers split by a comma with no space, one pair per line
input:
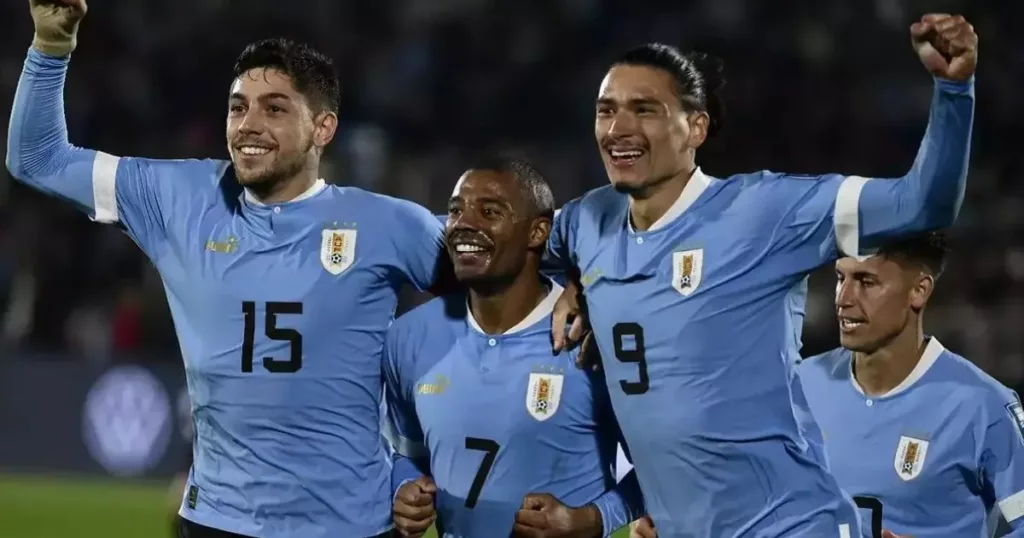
[540,229]
[325,125]
[921,291]
[699,122]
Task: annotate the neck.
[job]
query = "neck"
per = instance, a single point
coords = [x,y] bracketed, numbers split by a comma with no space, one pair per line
[276,192]
[882,370]
[497,309]
[649,205]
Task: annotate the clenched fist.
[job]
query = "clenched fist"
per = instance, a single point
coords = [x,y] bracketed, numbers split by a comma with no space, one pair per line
[56,23]
[642,528]
[413,510]
[946,45]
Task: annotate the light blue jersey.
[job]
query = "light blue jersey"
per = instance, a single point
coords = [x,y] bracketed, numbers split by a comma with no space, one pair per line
[697,323]
[498,417]
[941,455]
[280,311]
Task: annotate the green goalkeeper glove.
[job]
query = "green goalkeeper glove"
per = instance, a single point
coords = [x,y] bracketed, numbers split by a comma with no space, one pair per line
[56,23]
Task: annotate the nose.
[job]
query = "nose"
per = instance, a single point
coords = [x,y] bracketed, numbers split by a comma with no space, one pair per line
[844,294]
[468,220]
[623,123]
[252,122]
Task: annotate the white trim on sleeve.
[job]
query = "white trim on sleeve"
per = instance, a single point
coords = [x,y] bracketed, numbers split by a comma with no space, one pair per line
[846,218]
[104,187]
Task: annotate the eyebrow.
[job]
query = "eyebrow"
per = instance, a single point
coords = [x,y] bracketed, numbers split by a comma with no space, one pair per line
[636,101]
[484,200]
[265,97]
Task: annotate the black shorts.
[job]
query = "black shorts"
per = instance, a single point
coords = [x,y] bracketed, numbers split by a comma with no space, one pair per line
[188,529]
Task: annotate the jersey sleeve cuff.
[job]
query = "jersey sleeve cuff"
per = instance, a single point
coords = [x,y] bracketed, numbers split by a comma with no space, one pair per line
[958,87]
[613,510]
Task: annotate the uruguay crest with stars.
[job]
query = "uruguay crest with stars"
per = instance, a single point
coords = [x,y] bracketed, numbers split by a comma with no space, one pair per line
[338,250]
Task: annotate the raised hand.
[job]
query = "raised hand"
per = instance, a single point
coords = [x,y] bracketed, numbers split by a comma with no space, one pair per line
[946,45]
[56,24]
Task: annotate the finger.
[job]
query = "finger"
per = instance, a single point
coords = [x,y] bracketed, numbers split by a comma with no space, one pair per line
[559,318]
[415,513]
[414,498]
[948,23]
[935,17]
[531,518]
[578,326]
[524,531]
[411,527]
[532,502]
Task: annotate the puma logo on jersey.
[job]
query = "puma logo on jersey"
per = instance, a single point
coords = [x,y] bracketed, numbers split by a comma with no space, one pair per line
[223,247]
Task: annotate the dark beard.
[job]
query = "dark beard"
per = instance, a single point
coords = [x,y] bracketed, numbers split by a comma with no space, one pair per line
[641,190]
[265,183]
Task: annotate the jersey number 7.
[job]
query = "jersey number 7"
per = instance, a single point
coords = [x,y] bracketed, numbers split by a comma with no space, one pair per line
[628,341]
[273,332]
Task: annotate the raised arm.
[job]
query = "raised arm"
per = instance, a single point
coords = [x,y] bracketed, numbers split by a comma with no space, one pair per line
[853,215]
[135,193]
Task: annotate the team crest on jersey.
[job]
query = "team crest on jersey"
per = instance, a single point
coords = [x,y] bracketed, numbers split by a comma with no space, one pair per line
[687,267]
[543,393]
[1017,414]
[910,455]
[338,250]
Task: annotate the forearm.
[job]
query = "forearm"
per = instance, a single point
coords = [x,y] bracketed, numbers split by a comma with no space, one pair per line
[620,505]
[405,470]
[929,196]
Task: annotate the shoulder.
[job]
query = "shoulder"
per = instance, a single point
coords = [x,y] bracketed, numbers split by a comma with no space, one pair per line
[826,367]
[974,384]
[431,319]
[382,205]
[594,208]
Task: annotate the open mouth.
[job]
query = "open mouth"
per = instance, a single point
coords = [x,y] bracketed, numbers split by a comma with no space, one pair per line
[253,151]
[470,251]
[625,157]
[847,324]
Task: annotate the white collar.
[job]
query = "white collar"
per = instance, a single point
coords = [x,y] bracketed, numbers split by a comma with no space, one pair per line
[539,312]
[696,186]
[312,191]
[931,353]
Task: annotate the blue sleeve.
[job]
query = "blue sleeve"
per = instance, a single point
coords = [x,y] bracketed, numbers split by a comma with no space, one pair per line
[560,255]
[1002,460]
[402,427]
[419,244]
[856,215]
[623,503]
[130,192]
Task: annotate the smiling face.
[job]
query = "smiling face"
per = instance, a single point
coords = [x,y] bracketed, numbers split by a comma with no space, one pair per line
[642,129]
[491,233]
[271,132]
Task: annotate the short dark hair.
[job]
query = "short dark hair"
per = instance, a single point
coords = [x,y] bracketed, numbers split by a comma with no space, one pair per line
[928,250]
[699,77]
[311,71]
[536,190]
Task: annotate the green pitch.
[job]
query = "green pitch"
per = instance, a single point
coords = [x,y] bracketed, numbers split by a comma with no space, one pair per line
[35,507]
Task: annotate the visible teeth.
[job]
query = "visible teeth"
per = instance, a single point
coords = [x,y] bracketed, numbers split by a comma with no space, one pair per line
[468,248]
[254,150]
[626,154]
[849,324]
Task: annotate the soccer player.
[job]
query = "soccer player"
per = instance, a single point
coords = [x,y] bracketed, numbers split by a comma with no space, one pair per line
[483,414]
[928,444]
[280,286]
[695,286]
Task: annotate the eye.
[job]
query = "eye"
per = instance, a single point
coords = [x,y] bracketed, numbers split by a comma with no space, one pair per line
[453,210]
[236,109]
[604,111]
[646,111]
[490,212]
[274,109]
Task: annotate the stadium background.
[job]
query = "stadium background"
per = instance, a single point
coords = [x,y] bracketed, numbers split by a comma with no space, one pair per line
[90,380]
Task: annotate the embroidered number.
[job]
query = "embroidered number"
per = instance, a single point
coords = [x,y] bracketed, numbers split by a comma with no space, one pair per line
[628,341]
[272,331]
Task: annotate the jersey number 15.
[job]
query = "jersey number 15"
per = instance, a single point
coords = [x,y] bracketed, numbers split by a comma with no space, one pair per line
[273,332]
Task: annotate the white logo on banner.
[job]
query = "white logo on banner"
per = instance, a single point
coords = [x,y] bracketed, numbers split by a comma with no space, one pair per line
[127,420]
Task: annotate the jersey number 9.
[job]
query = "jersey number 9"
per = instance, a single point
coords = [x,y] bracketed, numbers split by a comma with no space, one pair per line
[272,332]
[628,340]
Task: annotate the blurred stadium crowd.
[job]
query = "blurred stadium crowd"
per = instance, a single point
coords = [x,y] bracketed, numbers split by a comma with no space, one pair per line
[818,87]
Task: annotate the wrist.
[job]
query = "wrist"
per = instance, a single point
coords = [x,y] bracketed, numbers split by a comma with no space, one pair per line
[588,520]
[56,47]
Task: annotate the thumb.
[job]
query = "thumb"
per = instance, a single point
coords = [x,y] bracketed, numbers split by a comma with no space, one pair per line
[426,485]
[919,30]
[890,534]
[532,501]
